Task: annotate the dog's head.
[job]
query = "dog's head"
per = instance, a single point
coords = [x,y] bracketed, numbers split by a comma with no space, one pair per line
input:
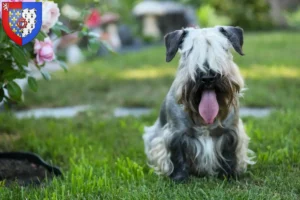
[207,82]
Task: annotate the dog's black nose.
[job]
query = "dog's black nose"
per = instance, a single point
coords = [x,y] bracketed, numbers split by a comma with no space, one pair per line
[208,80]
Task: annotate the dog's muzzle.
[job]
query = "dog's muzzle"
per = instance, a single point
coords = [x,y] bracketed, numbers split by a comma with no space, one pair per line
[209,80]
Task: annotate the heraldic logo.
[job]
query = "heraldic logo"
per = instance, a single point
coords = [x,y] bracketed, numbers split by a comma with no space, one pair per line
[22,21]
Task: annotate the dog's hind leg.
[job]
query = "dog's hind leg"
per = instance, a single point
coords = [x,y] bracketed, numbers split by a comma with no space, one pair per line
[156,148]
[244,155]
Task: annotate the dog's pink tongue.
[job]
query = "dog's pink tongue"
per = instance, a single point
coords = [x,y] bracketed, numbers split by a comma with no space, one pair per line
[209,107]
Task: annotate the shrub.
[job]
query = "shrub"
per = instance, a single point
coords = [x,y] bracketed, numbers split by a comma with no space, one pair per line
[293,18]
[208,17]
[249,14]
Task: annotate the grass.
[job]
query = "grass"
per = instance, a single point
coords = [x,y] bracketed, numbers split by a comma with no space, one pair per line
[103,158]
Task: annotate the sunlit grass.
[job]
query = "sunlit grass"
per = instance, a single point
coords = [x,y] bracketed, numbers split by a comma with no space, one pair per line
[147,72]
[254,72]
[262,72]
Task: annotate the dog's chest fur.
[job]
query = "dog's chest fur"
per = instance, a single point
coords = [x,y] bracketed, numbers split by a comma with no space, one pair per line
[205,150]
[205,145]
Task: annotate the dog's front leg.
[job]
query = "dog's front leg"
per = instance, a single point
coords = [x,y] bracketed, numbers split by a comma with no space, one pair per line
[229,158]
[178,158]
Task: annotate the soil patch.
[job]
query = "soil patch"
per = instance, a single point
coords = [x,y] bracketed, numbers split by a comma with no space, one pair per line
[22,172]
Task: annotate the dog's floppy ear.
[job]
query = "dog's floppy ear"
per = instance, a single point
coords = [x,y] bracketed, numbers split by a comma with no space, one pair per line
[235,35]
[173,41]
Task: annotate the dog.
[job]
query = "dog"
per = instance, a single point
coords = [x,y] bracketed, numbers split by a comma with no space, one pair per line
[199,131]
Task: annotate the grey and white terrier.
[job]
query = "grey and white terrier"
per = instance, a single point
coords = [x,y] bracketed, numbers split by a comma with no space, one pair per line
[199,131]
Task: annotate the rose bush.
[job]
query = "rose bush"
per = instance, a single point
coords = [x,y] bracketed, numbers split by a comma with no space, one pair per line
[15,59]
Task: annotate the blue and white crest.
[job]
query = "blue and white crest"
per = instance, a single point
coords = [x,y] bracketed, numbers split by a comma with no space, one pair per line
[22,21]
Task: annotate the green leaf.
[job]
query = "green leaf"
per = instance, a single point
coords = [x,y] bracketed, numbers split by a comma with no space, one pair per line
[81,34]
[41,36]
[4,46]
[11,74]
[46,75]
[2,33]
[32,84]
[1,94]
[60,26]
[19,55]
[29,49]
[84,31]
[63,65]
[14,90]
[94,47]
[108,47]
[56,31]
[6,63]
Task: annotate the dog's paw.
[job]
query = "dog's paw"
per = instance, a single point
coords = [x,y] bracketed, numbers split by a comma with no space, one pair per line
[181,177]
[228,176]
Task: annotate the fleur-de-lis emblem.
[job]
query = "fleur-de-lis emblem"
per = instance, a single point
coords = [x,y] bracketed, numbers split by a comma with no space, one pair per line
[5,6]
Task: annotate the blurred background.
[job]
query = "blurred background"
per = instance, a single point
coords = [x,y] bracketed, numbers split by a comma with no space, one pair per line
[120,42]
[112,46]
[132,24]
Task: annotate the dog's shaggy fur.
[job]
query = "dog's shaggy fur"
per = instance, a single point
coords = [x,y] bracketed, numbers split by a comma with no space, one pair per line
[181,143]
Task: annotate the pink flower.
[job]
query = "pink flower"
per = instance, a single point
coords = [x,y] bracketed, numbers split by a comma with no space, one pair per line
[93,20]
[50,15]
[12,1]
[44,51]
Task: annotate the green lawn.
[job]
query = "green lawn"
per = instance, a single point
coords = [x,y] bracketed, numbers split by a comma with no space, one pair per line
[103,158]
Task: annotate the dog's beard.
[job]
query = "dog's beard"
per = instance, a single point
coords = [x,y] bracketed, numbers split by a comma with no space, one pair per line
[226,95]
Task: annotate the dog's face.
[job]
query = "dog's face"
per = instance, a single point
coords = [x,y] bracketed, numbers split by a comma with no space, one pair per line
[207,82]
